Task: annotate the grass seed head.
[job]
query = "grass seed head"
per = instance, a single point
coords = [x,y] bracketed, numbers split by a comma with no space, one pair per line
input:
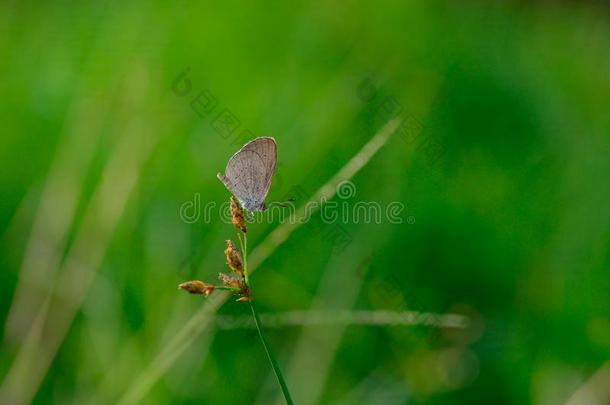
[237,215]
[234,260]
[197,287]
[232,281]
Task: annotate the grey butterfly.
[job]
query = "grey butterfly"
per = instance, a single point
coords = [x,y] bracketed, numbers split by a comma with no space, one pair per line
[249,173]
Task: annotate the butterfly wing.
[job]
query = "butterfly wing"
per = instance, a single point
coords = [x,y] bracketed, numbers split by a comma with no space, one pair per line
[266,149]
[249,173]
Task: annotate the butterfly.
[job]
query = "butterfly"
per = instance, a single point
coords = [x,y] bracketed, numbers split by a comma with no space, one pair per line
[250,171]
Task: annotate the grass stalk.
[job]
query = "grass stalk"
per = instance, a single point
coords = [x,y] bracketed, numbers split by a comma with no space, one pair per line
[270,356]
[274,365]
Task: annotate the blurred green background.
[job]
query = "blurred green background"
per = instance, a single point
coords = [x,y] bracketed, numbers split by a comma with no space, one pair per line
[506,185]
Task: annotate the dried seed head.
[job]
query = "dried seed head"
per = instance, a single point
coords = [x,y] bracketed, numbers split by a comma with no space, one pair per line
[197,287]
[237,215]
[231,281]
[234,259]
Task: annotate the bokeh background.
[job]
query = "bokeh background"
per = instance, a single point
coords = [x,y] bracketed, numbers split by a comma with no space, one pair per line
[504,180]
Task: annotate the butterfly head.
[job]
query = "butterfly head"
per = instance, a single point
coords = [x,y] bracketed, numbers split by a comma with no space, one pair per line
[262,207]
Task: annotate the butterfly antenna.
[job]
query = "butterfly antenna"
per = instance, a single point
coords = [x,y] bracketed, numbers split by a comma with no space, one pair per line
[283,203]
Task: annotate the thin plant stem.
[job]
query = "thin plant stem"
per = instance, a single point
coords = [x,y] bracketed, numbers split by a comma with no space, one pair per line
[274,365]
[245,250]
[276,368]
[243,245]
